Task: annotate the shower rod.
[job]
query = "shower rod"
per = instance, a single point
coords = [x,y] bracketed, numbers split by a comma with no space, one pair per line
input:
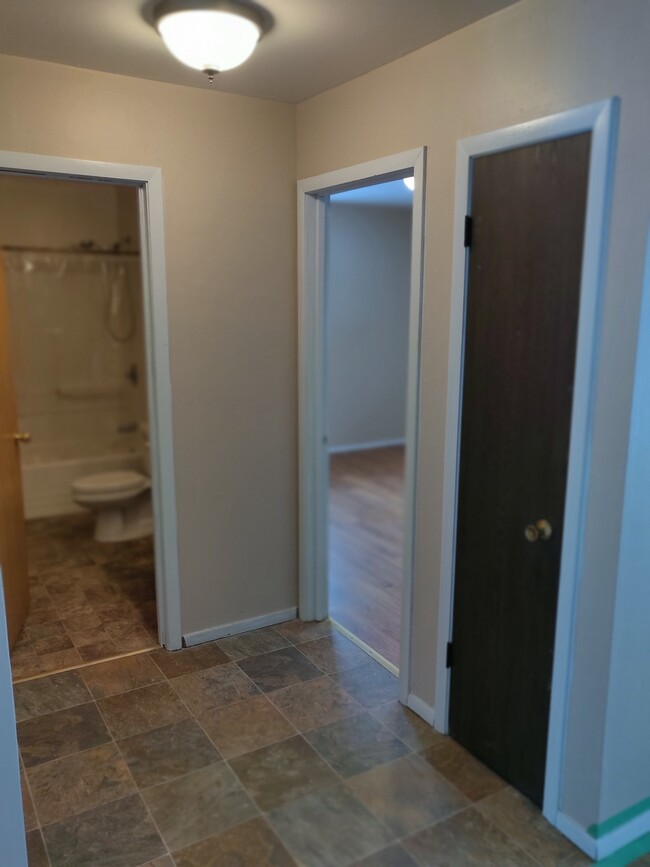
[14,248]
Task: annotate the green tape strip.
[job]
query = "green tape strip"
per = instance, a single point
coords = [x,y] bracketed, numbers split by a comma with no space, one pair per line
[609,825]
[629,854]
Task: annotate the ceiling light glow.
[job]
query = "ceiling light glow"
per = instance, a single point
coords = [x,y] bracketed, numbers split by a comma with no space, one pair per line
[209,36]
[410,183]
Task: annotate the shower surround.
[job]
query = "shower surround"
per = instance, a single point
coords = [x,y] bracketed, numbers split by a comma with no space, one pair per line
[79,369]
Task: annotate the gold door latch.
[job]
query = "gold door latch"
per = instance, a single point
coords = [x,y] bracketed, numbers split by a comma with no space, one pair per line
[540,530]
[23,437]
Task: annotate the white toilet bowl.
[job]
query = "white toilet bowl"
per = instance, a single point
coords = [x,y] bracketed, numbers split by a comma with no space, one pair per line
[121,501]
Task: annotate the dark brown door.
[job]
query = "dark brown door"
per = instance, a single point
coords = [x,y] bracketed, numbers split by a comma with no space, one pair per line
[525,257]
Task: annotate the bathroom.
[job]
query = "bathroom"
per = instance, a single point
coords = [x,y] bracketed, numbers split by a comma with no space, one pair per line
[78,368]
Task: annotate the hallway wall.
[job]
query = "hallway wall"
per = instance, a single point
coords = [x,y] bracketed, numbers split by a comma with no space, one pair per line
[229,194]
[527,61]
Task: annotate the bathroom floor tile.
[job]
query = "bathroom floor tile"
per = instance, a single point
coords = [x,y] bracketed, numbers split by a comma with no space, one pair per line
[252,643]
[213,687]
[120,675]
[252,844]
[78,587]
[29,813]
[49,694]
[408,727]
[392,856]
[407,794]
[60,660]
[466,838]
[52,644]
[72,785]
[187,661]
[128,636]
[165,753]
[36,854]
[279,669]
[334,653]
[205,802]
[330,828]
[315,703]
[245,726]
[140,710]
[282,772]
[523,822]
[465,772]
[61,733]
[96,652]
[119,834]
[298,631]
[356,744]
[371,684]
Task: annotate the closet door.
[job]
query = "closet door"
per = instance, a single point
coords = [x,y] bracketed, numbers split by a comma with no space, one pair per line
[525,260]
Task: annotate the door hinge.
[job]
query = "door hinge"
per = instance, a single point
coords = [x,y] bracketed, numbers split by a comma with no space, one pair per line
[450,654]
[468,231]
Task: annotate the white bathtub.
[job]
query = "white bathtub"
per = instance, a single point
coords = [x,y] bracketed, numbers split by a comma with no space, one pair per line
[47,479]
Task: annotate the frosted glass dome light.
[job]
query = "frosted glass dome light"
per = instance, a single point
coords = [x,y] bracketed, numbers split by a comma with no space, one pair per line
[209,36]
[410,183]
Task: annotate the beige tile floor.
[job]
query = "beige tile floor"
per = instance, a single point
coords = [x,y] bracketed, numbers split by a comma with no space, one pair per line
[89,600]
[278,748]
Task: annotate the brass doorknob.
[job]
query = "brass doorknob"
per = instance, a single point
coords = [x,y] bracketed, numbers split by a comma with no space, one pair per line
[23,437]
[539,530]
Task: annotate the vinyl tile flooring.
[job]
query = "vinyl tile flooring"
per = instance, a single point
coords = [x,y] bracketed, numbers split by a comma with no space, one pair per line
[90,600]
[284,747]
[366,517]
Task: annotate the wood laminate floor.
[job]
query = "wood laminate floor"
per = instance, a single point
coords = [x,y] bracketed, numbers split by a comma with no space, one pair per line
[366,516]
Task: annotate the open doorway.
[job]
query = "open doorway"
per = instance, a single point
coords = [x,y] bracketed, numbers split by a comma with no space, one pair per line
[367,295]
[86,399]
[316,201]
[77,366]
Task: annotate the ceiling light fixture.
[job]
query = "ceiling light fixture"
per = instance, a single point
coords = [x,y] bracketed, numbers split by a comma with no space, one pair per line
[210,35]
[410,183]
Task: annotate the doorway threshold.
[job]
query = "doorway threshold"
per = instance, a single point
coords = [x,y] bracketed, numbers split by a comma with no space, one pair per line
[365,647]
[88,664]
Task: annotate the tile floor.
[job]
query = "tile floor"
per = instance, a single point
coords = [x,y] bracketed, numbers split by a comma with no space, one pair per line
[278,748]
[89,600]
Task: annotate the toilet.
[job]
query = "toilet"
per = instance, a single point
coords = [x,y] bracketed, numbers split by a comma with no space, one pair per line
[121,500]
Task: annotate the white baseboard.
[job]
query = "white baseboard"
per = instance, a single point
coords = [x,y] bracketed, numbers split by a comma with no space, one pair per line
[191,639]
[622,836]
[366,648]
[362,447]
[578,835]
[610,843]
[421,708]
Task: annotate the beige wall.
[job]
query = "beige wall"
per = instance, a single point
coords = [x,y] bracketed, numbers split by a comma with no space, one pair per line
[228,170]
[530,60]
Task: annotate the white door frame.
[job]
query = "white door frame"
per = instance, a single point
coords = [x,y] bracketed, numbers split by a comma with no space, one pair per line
[601,120]
[148,180]
[12,828]
[313,195]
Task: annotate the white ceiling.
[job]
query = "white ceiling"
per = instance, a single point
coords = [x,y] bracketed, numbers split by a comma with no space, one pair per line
[312,46]
[394,194]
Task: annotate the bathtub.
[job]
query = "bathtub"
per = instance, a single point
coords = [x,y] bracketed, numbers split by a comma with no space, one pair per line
[48,475]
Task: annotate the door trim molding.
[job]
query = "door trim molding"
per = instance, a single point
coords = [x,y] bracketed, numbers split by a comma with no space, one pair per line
[313,195]
[148,180]
[601,120]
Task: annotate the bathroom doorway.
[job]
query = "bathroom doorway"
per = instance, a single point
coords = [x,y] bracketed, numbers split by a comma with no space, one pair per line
[72,281]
